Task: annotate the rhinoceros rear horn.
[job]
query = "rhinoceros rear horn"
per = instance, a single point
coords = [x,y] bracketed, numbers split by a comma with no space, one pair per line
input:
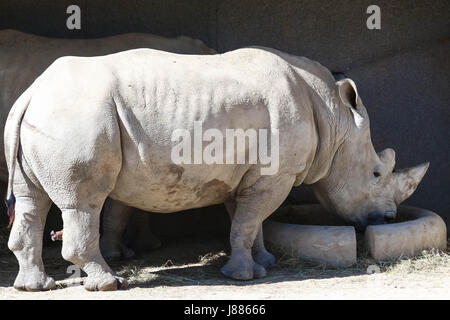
[407,180]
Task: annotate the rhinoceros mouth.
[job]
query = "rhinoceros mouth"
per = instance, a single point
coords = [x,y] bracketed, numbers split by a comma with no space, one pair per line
[376,218]
[389,215]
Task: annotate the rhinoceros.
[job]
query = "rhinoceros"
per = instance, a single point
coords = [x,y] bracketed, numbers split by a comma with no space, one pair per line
[107,126]
[23,57]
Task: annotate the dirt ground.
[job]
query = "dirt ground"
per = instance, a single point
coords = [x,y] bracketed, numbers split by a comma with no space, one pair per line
[190,269]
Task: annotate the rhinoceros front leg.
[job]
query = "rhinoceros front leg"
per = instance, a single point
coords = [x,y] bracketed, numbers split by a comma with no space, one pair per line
[254,203]
[259,252]
[115,220]
[138,235]
[25,240]
[124,226]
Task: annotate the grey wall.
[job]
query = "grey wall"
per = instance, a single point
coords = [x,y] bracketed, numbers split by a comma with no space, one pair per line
[402,71]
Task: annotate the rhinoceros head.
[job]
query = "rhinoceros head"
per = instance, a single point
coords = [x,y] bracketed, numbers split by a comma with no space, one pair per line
[362,186]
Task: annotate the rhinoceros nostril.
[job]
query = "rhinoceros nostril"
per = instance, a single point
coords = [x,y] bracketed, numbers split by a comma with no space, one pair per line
[389,219]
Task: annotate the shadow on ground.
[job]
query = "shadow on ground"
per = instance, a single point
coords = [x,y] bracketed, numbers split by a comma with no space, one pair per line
[180,262]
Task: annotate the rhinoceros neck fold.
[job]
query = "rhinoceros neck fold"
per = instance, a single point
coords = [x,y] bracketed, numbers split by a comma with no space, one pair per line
[331,121]
[331,132]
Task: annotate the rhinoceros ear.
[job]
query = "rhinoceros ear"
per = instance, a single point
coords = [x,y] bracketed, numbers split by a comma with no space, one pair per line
[348,92]
[349,96]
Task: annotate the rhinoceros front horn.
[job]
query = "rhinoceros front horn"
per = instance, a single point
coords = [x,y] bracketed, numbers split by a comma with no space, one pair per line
[407,180]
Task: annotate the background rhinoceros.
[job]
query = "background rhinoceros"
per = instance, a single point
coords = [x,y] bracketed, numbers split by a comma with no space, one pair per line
[23,57]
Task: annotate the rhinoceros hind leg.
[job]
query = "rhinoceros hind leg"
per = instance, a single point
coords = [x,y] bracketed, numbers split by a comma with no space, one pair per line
[34,281]
[81,247]
[25,240]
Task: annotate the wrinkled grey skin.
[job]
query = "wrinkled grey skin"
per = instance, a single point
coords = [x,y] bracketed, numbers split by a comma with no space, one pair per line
[106,130]
[23,57]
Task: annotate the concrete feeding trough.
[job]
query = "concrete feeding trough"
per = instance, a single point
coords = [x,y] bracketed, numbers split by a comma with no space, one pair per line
[309,232]
[315,235]
[416,230]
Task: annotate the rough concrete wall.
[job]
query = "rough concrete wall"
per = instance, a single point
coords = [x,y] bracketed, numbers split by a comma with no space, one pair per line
[100,18]
[401,70]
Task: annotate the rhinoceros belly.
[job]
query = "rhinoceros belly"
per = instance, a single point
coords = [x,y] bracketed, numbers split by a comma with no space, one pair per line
[167,187]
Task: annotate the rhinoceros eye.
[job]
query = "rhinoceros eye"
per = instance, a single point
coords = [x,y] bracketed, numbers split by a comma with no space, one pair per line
[376,174]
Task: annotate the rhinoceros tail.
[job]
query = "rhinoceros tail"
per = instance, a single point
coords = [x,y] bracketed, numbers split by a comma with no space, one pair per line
[10,205]
[12,140]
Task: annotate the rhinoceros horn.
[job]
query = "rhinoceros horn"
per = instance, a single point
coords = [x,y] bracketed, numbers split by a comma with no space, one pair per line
[407,180]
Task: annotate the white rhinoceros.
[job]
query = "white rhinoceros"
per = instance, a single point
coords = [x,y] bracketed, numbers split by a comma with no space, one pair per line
[23,57]
[104,126]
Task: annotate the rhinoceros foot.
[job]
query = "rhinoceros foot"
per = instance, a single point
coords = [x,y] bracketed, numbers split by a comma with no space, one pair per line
[34,281]
[243,269]
[264,258]
[105,282]
[244,273]
[115,251]
[259,271]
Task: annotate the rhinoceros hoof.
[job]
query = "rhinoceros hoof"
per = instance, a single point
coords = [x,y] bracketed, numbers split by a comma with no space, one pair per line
[243,271]
[105,282]
[34,281]
[264,258]
[259,271]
